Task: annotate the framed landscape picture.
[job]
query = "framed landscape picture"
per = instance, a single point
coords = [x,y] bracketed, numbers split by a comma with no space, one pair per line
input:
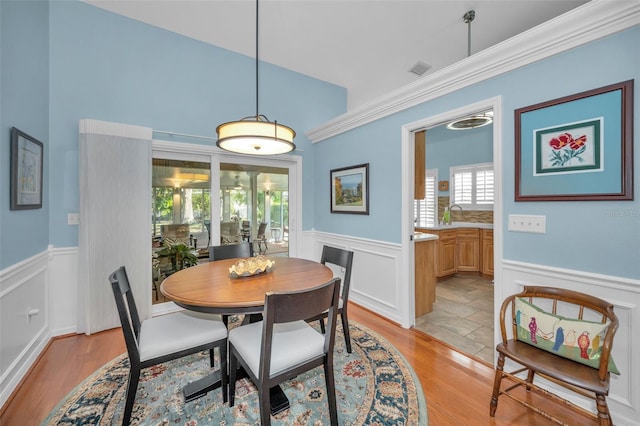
[350,189]
[26,171]
[576,148]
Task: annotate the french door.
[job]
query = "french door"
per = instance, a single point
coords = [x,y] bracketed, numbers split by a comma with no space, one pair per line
[249,191]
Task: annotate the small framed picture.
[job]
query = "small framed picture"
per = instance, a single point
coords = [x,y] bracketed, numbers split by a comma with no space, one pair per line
[26,171]
[350,189]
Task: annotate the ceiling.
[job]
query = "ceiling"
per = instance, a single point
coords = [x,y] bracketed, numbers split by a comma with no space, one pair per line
[366,46]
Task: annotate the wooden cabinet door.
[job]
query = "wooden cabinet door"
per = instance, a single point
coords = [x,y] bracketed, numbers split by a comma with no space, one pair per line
[446,254]
[487,252]
[425,277]
[468,250]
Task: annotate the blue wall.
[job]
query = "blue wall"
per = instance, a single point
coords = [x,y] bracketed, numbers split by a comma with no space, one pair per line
[447,148]
[108,67]
[64,61]
[599,237]
[24,50]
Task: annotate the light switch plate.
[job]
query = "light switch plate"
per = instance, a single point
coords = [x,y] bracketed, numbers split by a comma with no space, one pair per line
[528,223]
[73,219]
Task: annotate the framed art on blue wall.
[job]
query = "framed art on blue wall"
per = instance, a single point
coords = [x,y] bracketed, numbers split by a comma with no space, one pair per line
[350,189]
[576,148]
[26,171]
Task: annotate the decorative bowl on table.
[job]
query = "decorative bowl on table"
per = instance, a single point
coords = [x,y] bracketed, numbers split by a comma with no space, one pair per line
[251,266]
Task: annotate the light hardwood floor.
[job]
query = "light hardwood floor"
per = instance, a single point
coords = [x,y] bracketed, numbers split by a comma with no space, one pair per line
[457,388]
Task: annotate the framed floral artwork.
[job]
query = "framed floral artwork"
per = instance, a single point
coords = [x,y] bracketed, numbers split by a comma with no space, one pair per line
[578,147]
[350,189]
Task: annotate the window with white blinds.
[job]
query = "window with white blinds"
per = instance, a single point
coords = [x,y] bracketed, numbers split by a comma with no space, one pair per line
[424,211]
[472,186]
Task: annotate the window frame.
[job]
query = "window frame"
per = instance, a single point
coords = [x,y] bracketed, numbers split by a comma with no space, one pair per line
[474,169]
[418,222]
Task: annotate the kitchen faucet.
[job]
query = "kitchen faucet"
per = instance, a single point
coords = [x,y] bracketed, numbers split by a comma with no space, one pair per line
[447,214]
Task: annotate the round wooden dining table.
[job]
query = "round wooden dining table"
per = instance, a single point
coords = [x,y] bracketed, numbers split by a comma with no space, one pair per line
[209,288]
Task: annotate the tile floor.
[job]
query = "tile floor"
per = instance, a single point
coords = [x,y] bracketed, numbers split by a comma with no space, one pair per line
[462,315]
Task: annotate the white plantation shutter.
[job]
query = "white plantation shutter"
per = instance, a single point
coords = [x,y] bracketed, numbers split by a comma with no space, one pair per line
[424,211]
[484,187]
[473,186]
[431,201]
[463,188]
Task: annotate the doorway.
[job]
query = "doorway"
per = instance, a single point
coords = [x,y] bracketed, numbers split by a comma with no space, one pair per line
[458,163]
[408,150]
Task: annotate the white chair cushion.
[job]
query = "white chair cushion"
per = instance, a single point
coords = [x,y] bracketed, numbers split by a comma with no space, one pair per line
[293,344]
[177,331]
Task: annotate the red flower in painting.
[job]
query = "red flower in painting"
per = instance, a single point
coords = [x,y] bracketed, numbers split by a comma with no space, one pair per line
[561,141]
[578,143]
[565,148]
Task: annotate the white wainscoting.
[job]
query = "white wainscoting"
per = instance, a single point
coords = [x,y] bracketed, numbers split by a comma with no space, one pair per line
[24,325]
[64,291]
[376,274]
[624,294]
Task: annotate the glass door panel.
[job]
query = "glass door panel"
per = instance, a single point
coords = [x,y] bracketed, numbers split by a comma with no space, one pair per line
[181,217]
[254,206]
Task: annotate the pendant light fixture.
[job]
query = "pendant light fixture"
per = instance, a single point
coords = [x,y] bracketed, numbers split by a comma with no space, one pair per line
[255,135]
[475,120]
[471,121]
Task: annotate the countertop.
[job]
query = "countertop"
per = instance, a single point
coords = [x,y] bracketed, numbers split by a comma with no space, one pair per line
[422,236]
[455,225]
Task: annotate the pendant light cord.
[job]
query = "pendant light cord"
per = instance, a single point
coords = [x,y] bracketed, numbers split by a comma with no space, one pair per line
[257,92]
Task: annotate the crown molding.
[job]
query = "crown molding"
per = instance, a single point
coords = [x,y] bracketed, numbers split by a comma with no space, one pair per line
[591,21]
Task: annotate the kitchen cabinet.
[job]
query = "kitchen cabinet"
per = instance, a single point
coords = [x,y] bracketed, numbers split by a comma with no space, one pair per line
[462,249]
[487,252]
[420,167]
[425,276]
[446,253]
[468,242]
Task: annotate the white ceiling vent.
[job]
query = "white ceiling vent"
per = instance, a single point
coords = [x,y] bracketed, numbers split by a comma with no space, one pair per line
[420,68]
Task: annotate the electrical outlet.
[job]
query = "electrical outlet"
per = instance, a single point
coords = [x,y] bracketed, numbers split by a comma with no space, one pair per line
[73,219]
[527,223]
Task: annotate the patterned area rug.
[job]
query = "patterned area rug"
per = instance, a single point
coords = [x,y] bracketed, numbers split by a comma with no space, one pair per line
[374,386]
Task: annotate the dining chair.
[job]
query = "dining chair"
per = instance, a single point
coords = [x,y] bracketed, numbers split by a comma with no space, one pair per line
[230,251]
[344,259]
[164,338]
[284,345]
[245,231]
[261,238]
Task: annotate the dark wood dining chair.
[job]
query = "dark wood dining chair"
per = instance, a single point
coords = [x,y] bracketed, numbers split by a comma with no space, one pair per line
[230,251]
[164,338]
[284,345]
[344,259]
